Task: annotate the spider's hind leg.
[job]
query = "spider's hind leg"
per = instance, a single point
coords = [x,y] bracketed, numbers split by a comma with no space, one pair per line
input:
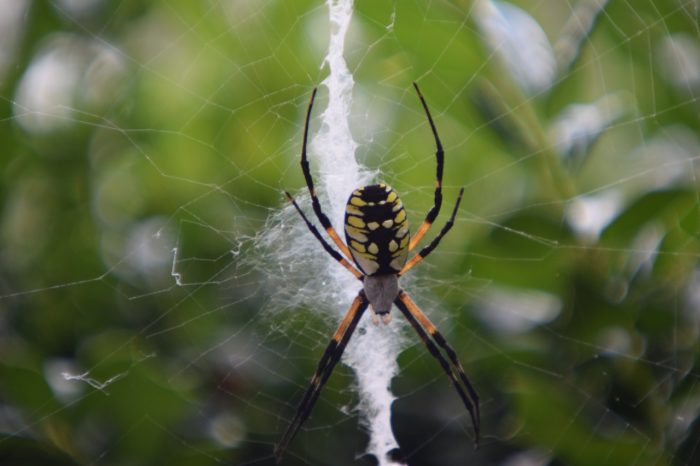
[440,159]
[329,249]
[322,217]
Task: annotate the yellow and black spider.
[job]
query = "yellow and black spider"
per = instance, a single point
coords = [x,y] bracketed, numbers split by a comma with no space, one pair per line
[376,231]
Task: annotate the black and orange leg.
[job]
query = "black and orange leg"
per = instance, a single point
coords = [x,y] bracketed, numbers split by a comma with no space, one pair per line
[427,330]
[440,156]
[325,222]
[328,361]
[329,249]
[434,243]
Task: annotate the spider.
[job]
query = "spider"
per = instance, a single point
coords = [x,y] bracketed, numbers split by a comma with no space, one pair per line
[376,231]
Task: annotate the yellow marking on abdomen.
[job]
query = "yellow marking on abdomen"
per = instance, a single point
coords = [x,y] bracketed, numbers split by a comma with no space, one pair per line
[356,233]
[398,262]
[358,246]
[356,222]
[352,210]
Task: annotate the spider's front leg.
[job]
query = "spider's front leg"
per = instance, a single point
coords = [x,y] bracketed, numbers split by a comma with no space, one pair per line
[328,361]
[426,329]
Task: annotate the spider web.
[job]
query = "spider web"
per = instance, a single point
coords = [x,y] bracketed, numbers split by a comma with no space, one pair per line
[161,302]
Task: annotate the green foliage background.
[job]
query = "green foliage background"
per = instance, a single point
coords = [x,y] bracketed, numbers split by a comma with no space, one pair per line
[183,131]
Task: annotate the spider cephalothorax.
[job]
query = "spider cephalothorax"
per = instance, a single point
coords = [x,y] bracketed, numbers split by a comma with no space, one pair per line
[378,243]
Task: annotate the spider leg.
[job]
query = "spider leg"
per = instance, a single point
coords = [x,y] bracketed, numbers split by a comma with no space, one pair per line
[440,156]
[325,222]
[330,358]
[434,243]
[335,254]
[426,329]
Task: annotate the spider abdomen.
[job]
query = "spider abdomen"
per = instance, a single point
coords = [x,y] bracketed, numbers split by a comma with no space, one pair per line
[376,229]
